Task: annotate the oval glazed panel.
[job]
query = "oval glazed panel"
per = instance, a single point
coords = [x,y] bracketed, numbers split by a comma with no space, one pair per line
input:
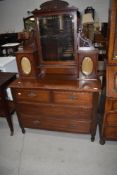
[26,66]
[87,66]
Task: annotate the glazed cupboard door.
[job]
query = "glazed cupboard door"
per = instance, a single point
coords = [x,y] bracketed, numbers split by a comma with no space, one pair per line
[112,48]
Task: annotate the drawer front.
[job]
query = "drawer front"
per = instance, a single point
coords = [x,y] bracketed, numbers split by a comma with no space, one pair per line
[73,98]
[114,105]
[111,81]
[55,111]
[56,124]
[32,95]
[110,133]
[111,119]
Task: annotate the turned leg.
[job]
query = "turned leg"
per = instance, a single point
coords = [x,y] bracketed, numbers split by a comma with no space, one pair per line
[23,130]
[102,141]
[9,120]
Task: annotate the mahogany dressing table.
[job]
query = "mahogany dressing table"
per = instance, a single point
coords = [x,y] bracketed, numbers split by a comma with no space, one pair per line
[58,85]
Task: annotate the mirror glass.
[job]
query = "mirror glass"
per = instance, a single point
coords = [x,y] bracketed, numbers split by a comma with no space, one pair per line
[57,37]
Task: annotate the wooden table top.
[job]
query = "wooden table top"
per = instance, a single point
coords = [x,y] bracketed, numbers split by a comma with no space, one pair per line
[6,78]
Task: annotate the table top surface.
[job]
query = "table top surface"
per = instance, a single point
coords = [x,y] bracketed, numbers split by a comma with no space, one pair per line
[57,82]
[6,77]
[6,60]
[10,44]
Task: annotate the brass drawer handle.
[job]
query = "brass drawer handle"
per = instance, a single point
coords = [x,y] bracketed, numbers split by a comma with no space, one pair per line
[72,97]
[73,126]
[36,122]
[31,94]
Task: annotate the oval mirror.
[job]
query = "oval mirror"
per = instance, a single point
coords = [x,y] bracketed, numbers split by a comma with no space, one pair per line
[87,66]
[26,66]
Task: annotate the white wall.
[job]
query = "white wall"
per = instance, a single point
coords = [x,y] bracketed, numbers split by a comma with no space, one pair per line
[13,11]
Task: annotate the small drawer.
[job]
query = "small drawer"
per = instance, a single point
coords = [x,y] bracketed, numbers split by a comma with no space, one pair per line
[114,105]
[32,95]
[73,98]
[111,119]
[110,133]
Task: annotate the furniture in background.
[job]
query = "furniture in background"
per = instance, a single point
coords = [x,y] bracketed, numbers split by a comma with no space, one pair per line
[6,108]
[10,48]
[100,42]
[58,85]
[109,126]
[29,23]
[8,64]
[11,39]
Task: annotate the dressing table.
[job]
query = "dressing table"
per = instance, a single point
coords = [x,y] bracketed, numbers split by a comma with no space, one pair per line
[58,85]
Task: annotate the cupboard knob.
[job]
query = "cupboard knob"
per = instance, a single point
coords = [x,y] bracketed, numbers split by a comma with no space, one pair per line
[19,93]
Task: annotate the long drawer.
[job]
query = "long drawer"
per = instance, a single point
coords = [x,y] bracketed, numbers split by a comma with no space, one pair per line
[55,111]
[57,124]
